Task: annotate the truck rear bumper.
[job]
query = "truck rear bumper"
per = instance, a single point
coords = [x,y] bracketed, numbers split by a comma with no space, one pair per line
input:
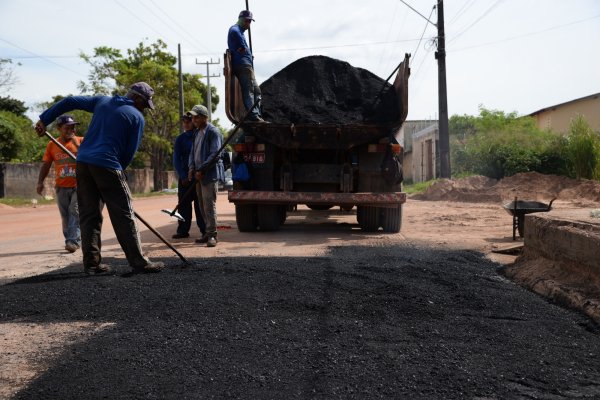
[393,199]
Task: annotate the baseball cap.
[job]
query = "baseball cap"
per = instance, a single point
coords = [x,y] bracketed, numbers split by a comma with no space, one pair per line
[144,90]
[186,117]
[246,14]
[66,120]
[199,109]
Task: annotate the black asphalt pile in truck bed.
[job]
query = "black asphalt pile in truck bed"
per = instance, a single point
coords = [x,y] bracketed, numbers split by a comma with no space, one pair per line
[319,89]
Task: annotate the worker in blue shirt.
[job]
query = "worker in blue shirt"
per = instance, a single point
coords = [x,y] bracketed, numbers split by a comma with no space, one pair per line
[181,156]
[242,64]
[111,141]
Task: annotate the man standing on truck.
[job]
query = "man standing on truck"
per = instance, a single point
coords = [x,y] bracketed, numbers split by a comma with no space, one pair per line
[206,165]
[242,64]
[111,141]
[65,183]
[181,158]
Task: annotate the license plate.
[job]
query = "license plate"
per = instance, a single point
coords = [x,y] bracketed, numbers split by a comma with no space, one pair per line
[255,158]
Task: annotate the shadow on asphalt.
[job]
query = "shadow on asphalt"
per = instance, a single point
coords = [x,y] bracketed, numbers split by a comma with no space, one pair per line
[360,322]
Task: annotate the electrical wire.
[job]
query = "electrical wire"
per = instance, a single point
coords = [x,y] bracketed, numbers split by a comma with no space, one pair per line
[525,34]
[41,57]
[486,12]
[423,34]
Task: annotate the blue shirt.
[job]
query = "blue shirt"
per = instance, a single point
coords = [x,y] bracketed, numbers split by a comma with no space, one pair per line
[181,153]
[115,131]
[235,40]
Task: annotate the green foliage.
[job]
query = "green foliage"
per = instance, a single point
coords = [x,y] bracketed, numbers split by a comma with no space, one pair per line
[18,140]
[114,73]
[13,105]
[497,144]
[9,136]
[583,149]
[417,188]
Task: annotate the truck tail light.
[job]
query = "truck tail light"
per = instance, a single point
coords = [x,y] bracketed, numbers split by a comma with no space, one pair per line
[381,148]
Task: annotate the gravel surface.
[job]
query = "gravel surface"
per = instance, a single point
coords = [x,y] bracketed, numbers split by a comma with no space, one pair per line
[323,90]
[360,322]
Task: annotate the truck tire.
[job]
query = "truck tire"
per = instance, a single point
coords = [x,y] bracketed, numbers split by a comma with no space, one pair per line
[282,214]
[368,218]
[245,217]
[391,219]
[269,217]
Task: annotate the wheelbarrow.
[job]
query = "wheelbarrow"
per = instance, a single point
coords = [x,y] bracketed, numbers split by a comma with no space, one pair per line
[519,208]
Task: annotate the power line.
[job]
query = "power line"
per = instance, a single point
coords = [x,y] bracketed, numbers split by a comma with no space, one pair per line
[42,57]
[527,34]
[408,5]
[423,34]
[138,18]
[462,10]
[486,12]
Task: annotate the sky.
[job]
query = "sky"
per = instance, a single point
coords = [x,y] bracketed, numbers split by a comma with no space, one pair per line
[508,55]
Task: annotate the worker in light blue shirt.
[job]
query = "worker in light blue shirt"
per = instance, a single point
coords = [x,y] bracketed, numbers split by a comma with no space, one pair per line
[113,137]
[242,64]
[186,196]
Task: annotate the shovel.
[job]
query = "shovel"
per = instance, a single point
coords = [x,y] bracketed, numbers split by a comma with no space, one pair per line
[210,163]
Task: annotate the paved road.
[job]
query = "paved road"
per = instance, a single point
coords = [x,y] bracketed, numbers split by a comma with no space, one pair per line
[350,316]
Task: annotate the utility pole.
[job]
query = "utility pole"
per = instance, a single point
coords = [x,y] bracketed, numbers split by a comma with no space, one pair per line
[444,133]
[208,76]
[181,105]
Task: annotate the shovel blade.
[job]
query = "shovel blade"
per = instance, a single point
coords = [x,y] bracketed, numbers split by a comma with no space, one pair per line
[174,214]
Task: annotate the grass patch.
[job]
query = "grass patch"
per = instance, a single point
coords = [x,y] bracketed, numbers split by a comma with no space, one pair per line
[23,202]
[418,188]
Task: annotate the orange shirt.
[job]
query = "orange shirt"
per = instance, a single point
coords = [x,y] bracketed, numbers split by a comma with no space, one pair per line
[64,165]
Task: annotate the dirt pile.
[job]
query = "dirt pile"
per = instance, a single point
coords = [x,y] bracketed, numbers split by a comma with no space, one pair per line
[525,186]
[319,89]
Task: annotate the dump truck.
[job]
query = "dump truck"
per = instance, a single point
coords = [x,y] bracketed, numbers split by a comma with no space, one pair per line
[355,164]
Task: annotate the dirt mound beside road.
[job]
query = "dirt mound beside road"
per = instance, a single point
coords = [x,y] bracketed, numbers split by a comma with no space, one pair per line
[526,186]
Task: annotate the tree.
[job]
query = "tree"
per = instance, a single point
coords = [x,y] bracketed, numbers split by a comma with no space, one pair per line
[583,148]
[13,105]
[7,76]
[114,73]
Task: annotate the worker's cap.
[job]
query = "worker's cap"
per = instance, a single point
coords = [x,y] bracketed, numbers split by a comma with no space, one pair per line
[66,120]
[246,14]
[199,109]
[186,117]
[145,91]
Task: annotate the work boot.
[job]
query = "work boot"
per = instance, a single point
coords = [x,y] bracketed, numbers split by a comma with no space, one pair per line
[203,239]
[151,267]
[71,247]
[97,270]
[212,241]
[180,236]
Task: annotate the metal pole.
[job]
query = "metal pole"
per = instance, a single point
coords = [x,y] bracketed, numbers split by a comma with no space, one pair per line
[208,94]
[440,55]
[249,33]
[181,103]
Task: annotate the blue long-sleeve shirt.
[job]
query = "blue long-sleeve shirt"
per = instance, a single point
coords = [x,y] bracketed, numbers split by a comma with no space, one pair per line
[236,40]
[115,131]
[181,152]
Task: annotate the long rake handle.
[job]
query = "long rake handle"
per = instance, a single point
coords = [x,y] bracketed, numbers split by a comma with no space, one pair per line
[217,154]
[142,220]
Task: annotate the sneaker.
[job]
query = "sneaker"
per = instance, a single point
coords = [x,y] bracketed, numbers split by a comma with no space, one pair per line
[149,268]
[180,236]
[211,242]
[203,239]
[71,247]
[97,270]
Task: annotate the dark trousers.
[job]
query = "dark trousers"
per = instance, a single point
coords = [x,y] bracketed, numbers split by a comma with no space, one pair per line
[97,186]
[185,208]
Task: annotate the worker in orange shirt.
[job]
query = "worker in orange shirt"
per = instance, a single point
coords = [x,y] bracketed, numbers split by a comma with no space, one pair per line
[65,182]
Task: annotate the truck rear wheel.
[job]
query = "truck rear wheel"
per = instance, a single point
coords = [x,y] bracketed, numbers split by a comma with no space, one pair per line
[368,218]
[245,217]
[391,219]
[269,217]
